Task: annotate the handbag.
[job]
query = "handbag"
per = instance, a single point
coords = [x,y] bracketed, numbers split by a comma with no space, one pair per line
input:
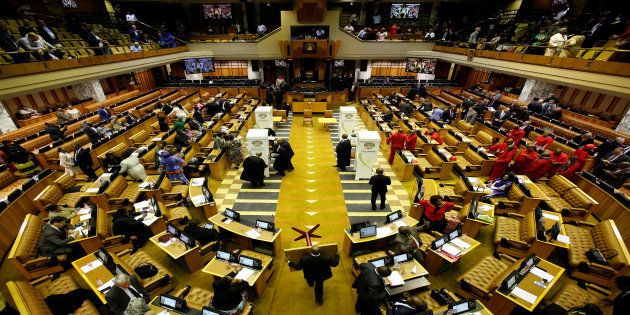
[146,270]
[601,256]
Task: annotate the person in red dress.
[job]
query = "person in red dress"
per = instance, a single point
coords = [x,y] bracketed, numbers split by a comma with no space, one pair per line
[539,167]
[434,135]
[434,212]
[411,140]
[558,160]
[516,134]
[524,158]
[397,142]
[543,141]
[577,161]
[501,164]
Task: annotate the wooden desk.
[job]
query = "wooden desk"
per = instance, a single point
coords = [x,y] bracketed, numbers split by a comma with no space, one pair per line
[471,226]
[405,269]
[88,243]
[326,121]
[99,275]
[543,249]
[501,303]
[402,168]
[435,259]
[149,190]
[239,231]
[218,164]
[159,137]
[220,268]
[190,258]
[378,242]
[92,192]
[536,192]
[479,309]
[194,190]
[316,107]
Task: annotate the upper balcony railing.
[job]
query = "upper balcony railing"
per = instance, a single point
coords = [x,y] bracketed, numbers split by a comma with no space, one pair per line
[232,37]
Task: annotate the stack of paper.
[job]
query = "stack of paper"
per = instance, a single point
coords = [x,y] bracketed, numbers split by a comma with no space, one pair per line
[551,216]
[541,273]
[164,312]
[85,217]
[383,231]
[395,279]
[106,286]
[83,211]
[142,205]
[197,181]
[149,219]
[199,199]
[92,190]
[399,223]
[518,292]
[461,244]
[485,207]
[253,233]
[91,266]
[244,274]
[451,250]
[563,239]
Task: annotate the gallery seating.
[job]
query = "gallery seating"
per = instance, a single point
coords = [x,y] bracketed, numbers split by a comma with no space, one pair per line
[54,195]
[433,165]
[112,243]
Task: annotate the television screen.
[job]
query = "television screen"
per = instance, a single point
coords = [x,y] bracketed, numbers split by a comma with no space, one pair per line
[404,11]
[426,66]
[71,4]
[281,63]
[217,11]
[339,63]
[198,65]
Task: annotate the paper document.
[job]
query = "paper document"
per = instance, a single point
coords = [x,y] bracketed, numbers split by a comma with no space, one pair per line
[244,274]
[399,223]
[91,266]
[451,250]
[199,199]
[85,217]
[141,204]
[563,239]
[253,233]
[383,231]
[157,139]
[395,279]
[84,211]
[551,216]
[106,285]
[145,184]
[461,244]
[228,221]
[485,207]
[197,181]
[149,220]
[92,190]
[541,273]
[164,312]
[518,292]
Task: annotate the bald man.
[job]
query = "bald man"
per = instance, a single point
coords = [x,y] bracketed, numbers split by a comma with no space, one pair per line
[317,269]
[408,241]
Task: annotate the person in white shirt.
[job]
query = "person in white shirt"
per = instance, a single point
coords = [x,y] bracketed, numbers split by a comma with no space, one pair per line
[430,35]
[41,49]
[556,42]
[73,112]
[380,36]
[66,160]
[131,17]
[135,47]
[362,33]
[349,28]
[261,29]
[27,112]
[179,112]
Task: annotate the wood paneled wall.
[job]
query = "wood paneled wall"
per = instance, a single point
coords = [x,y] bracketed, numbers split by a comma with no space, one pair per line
[390,68]
[592,102]
[476,76]
[145,80]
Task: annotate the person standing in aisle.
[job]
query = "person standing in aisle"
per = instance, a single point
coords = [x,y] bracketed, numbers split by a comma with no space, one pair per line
[316,268]
[344,152]
[397,142]
[379,183]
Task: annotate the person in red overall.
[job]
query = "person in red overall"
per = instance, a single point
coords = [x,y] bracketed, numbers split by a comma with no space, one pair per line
[524,159]
[516,134]
[434,210]
[539,167]
[543,141]
[578,159]
[496,147]
[434,135]
[411,140]
[501,164]
[558,160]
[397,142]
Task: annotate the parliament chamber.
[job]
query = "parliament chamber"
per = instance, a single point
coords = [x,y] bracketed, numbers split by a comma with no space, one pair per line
[315,157]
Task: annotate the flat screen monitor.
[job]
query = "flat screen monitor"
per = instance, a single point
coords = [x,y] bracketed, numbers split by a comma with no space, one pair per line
[396,215]
[462,307]
[105,258]
[232,214]
[381,262]
[404,11]
[438,242]
[189,241]
[172,302]
[529,261]
[455,234]
[368,231]
[198,65]
[510,282]
[70,4]
[358,226]
[421,65]
[224,256]
[268,226]
[171,229]
[217,11]
[401,258]
[209,311]
[251,262]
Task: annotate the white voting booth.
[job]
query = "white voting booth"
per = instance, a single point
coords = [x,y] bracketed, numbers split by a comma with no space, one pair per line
[264,117]
[366,158]
[347,120]
[258,141]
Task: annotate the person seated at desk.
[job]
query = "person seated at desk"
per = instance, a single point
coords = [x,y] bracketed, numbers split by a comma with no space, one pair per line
[54,240]
[499,187]
[370,287]
[181,139]
[229,294]
[27,112]
[427,106]
[496,147]
[434,212]
[539,167]
[201,234]
[502,163]
[411,140]
[516,134]
[524,158]
[111,162]
[436,114]
[123,223]
[179,125]
[316,268]
[54,131]
[434,135]
[125,289]
[407,305]
[406,108]
[408,241]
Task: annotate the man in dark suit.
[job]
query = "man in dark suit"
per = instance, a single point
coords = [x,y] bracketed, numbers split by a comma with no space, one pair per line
[9,44]
[370,289]
[608,146]
[284,143]
[282,160]
[466,104]
[408,305]
[47,33]
[448,115]
[500,116]
[379,184]
[125,288]
[54,239]
[408,241]
[316,268]
[254,170]
[84,161]
[535,106]
[344,152]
